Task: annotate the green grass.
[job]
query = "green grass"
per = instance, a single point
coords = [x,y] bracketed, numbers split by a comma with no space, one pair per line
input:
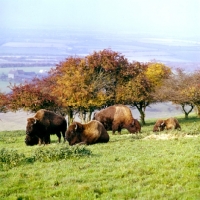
[127,167]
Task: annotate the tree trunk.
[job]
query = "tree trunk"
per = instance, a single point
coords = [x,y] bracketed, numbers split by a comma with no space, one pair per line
[89,117]
[142,117]
[141,106]
[69,116]
[198,111]
[186,115]
[185,111]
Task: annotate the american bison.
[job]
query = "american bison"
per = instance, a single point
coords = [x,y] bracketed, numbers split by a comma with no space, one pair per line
[89,133]
[117,117]
[44,123]
[170,123]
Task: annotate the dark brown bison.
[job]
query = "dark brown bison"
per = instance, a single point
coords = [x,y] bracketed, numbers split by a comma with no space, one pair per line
[170,123]
[89,133]
[117,117]
[44,123]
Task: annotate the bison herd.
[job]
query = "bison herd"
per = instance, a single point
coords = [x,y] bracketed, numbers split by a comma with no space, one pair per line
[114,118]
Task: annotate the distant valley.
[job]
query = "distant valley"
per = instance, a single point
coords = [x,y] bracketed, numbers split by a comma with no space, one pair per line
[22,49]
[47,47]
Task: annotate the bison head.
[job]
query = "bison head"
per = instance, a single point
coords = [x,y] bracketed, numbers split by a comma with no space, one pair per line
[73,133]
[137,126]
[159,125]
[34,140]
[134,127]
[31,126]
[31,140]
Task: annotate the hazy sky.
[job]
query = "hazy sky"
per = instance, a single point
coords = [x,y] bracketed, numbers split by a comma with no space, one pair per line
[170,17]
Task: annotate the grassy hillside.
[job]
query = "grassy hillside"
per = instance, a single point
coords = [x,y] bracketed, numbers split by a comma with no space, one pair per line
[146,166]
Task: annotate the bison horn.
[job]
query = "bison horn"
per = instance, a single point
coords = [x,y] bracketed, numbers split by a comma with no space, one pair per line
[35,120]
[162,123]
[76,127]
[133,123]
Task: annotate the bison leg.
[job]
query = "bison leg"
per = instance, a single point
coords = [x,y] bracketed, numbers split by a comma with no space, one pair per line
[103,138]
[63,134]
[178,127]
[44,140]
[119,130]
[59,136]
[40,141]
[114,128]
[47,139]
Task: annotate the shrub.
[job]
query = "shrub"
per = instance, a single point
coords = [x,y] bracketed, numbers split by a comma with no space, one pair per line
[10,158]
[62,152]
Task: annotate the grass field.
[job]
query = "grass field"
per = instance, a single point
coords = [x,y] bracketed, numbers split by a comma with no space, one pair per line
[147,166]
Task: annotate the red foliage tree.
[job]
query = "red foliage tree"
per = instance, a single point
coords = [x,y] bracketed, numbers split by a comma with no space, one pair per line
[3,102]
[31,96]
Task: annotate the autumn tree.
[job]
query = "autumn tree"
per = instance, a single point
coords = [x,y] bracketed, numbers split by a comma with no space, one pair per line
[114,66]
[140,84]
[85,84]
[78,88]
[134,88]
[194,90]
[31,96]
[3,102]
[180,89]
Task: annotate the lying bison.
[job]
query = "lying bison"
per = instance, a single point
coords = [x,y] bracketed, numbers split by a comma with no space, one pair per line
[44,123]
[117,117]
[89,133]
[170,123]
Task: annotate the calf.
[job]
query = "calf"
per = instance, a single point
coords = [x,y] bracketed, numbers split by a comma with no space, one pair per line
[170,123]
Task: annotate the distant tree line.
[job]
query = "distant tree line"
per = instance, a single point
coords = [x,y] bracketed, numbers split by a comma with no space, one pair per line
[80,85]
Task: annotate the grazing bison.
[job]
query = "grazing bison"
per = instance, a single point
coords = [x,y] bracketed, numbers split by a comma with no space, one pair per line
[89,133]
[117,117]
[43,124]
[170,123]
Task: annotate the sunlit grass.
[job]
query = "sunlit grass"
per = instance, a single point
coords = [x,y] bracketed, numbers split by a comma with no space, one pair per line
[127,167]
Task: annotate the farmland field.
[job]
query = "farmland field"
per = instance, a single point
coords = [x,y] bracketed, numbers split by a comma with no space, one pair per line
[36,69]
[5,70]
[148,166]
